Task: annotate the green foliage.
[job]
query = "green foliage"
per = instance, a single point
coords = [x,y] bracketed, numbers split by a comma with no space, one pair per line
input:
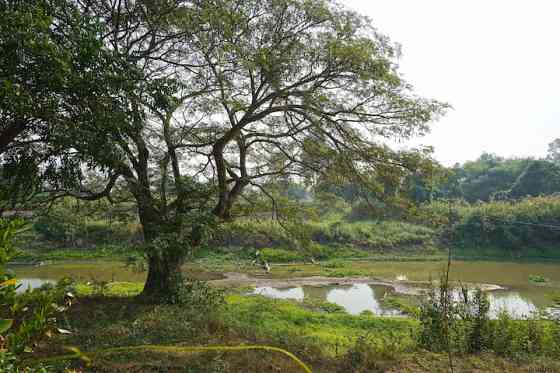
[481,179]
[35,314]
[99,252]
[400,303]
[251,233]
[454,319]
[331,331]
[475,329]
[55,74]
[281,256]
[530,222]
[28,317]
[537,278]
[376,235]
[198,298]
[71,222]
[7,279]
[520,339]
[50,228]
[526,227]
[540,177]
[461,323]
[109,289]
[436,316]
[374,353]
[326,239]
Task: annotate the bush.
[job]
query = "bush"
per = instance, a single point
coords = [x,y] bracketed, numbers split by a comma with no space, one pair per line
[281,255]
[50,229]
[454,319]
[251,233]
[197,298]
[326,239]
[461,324]
[34,314]
[527,223]
[373,353]
[378,235]
[537,278]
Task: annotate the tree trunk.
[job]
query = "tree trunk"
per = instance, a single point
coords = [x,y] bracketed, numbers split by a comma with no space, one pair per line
[164,277]
[164,260]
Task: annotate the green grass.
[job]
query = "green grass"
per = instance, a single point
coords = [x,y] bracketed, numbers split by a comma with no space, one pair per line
[323,325]
[496,253]
[329,331]
[98,252]
[405,304]
[110,289]
[379,235]
[317,332]
[537,279]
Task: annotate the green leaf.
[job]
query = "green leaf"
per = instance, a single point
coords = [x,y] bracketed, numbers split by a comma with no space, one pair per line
[5,324]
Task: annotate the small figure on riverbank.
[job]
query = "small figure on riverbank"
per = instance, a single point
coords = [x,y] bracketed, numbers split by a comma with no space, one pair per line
[260,261]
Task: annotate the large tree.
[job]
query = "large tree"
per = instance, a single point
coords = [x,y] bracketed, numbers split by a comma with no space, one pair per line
[55,74]
[229,94]
[540,177]
[484,178]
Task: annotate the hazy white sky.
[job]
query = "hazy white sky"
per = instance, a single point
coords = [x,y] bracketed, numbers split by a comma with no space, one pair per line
[497,62]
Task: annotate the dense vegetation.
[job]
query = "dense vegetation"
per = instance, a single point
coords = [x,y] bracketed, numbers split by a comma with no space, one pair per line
[236,134]
[505,228]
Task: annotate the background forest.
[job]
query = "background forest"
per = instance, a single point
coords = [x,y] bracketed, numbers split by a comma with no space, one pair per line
[493,207]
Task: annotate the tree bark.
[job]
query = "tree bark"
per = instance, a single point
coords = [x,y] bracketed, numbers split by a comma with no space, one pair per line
[164,261]
[164,277]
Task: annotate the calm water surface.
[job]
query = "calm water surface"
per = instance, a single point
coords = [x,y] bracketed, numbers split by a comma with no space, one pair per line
[521,297]
[358,298]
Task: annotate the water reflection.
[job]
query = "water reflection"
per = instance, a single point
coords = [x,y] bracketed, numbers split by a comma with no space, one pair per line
[510,302]
[286,293]
[358,298]
[355,298]
[31,283]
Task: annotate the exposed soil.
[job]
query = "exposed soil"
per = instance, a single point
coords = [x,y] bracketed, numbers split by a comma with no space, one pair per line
[236,279]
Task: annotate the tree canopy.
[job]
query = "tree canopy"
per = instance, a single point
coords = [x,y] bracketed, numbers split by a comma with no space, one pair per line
[55,75]
[215,98]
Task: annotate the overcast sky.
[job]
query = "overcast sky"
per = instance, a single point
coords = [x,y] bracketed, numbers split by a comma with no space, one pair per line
[497,62]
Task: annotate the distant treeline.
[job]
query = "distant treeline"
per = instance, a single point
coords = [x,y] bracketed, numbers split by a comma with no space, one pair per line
[530,223]
[510,205]
[492,177]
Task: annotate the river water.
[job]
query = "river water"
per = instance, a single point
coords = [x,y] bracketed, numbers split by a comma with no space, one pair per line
[520,296]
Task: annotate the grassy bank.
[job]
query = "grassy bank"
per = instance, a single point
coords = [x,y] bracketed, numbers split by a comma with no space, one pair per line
[105,252]
[326,341]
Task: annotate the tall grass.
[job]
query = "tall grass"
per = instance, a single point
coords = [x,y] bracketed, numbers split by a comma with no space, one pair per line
[510,226]
[369,235]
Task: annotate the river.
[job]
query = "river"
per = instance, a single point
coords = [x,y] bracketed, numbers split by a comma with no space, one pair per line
[520,296]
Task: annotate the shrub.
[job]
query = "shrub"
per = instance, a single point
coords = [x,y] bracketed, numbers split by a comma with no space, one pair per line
[34,314]
[461,324]
[373,353]
[435,316]
[197,297]
[473,312]
[281,255]
[537,278]
[510,225]
[50,229]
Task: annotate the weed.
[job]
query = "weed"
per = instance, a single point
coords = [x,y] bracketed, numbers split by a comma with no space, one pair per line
[537,278]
